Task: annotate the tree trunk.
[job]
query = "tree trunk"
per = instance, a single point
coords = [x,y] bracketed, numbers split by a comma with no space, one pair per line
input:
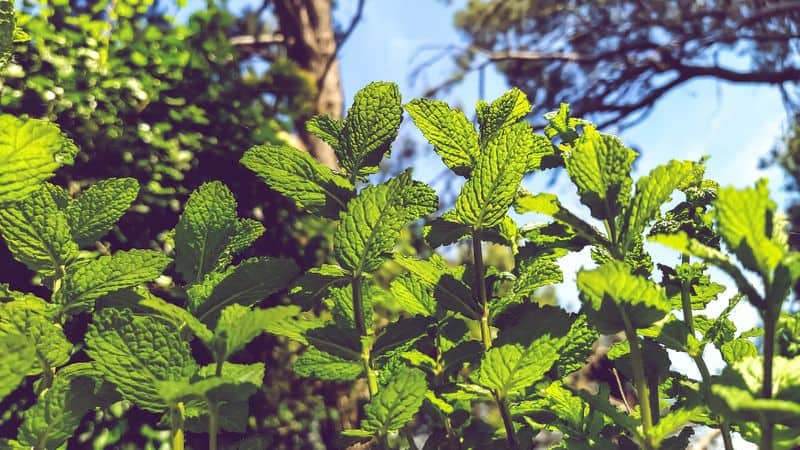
[310,41]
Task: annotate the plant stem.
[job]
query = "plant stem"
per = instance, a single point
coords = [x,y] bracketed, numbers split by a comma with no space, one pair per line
[176,431]
[770,318]
[705,375]
[213,425]
[480,285]
[361,327]
[642,388]
[511,435]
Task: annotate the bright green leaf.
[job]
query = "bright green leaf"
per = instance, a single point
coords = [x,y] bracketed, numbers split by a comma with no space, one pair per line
[136,353]
[372,223]
[298,176]
[37,232]
[449,131]
[396,403]
[87,281]
[96,210]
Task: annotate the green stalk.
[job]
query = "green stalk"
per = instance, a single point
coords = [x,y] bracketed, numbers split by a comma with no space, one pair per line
[213,424]
[176,427]
[511,435]
[361,327]
[705,375]
[770,321]
[642,388]
[480,284]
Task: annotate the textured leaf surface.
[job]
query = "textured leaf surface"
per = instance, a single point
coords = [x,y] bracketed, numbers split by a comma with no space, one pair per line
[611,287]
[743,218]
[37,232]
[738,390]
[413,295]
[485,198]
[248,283]
[395,404]
[136,353]
[30,152]
[533,274]
[95,211]
[298,176]
[506,110]
[142,302]
[204,230]
[511,368]
[600,167]
[16,360]
[372,223]
[448,290]
[86,282]
[58,413]
[238,325]
[449,131]
[370,127]
[315,284]
[328,129]
[324,366]
[654,190]
[52,349]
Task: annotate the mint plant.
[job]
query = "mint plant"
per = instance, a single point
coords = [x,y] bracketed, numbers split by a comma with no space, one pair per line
[460,356]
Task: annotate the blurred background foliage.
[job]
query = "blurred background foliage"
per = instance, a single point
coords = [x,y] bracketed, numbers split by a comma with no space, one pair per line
[174,104]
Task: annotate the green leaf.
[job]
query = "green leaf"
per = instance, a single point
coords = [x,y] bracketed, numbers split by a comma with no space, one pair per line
[395,405]
[37,232]
[30,152]
[57,414]
[96,210]
[136,353]
[370,128]
[449,131]
[745,221]
[413,296]
[654,190]
[562,125]
[506,110]
[675,421]
[324,366]
[488,194]
[737,350]
[600,166]
[327,129]
[294,326]
[404,332]
[247,232]
[204,230]
[252,281]
[238,325]
[369,229]
[315,284]
[578,346]
[86,282]
[611,291]
[510,369]
[51,347]
[236,382]
[16,360]
[681,242]
[298,176]
[449,291]
[737,391]
[533,274]
[141,302]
